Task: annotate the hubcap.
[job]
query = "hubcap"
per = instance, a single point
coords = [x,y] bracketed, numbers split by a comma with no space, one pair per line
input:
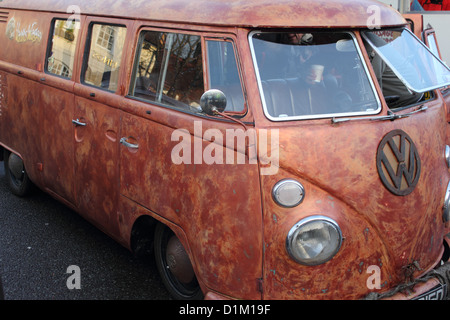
[178,261]
[15,165]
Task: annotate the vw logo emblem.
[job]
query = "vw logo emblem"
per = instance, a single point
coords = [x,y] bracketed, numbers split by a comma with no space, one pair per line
[398,163]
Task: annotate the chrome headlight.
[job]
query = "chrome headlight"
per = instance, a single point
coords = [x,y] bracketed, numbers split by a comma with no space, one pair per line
[288,193]
[446,208]
[314,240]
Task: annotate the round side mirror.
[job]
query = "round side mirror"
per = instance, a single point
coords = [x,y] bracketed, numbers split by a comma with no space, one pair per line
[213,101]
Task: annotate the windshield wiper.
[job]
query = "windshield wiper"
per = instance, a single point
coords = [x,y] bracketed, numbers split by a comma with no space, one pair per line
[390,116]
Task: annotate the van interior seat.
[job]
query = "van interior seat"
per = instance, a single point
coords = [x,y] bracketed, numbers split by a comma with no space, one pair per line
[293,97]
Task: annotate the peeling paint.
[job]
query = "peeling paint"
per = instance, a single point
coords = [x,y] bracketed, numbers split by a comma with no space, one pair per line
[360,267]
[366,234]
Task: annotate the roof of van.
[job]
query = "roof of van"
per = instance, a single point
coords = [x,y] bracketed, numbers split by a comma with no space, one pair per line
[248,13]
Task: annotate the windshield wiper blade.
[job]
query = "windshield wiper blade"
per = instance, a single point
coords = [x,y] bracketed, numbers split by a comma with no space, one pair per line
[391,116]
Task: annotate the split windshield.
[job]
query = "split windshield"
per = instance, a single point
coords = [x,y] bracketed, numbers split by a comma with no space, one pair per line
[312,75]
[322,74]
[409,58]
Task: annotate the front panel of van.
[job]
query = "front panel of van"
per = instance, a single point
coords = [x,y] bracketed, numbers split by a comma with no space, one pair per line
[356,206]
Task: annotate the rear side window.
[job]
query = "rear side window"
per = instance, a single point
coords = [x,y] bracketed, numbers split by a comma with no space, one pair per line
[61,52]
[169,70]
[103,56]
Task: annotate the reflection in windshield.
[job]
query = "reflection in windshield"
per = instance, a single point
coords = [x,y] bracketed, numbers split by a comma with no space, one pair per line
[312,75]
[398,51]
[432,44]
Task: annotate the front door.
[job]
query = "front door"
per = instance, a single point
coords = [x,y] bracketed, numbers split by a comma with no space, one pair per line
[177,163]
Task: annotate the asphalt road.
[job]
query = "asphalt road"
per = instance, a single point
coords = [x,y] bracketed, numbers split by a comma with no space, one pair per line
[41,238]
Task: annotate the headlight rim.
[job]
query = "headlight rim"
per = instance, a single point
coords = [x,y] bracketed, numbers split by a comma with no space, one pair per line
[447,155]
[446,207]
[303,222]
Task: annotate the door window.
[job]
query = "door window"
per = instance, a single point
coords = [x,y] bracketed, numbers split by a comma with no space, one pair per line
[169,70]
[223,73]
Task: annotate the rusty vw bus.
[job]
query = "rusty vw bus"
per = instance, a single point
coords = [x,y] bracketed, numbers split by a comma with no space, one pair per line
[260,149]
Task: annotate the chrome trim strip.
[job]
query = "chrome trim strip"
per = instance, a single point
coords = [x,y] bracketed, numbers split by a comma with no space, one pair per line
[447,155]
[446,207]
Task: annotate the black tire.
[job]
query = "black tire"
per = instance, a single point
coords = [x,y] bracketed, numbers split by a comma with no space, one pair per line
[20,185]
[177,289]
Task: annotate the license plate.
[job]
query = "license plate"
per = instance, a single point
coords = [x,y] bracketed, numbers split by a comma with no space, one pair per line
[437,293]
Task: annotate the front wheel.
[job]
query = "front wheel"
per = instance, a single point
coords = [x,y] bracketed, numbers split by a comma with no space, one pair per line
[16,176]
[174,266]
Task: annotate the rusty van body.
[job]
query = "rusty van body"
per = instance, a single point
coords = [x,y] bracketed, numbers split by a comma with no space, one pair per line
[283,149]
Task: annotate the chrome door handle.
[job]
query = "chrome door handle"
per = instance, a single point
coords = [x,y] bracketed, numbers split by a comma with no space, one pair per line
[78,123]
[127,144]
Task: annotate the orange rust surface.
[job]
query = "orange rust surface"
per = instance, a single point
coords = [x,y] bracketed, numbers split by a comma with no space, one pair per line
[338,170]
[223,214]
[216,204]
[249,13]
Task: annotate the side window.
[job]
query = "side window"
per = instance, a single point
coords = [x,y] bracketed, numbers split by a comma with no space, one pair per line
[169,70]
[103,56]
[61,51]
[223,73]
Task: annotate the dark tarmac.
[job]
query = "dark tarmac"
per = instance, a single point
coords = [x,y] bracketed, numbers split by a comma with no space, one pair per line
[41,238]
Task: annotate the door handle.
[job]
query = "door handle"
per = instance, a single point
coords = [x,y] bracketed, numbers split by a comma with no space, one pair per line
[78,123]
[127,144]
